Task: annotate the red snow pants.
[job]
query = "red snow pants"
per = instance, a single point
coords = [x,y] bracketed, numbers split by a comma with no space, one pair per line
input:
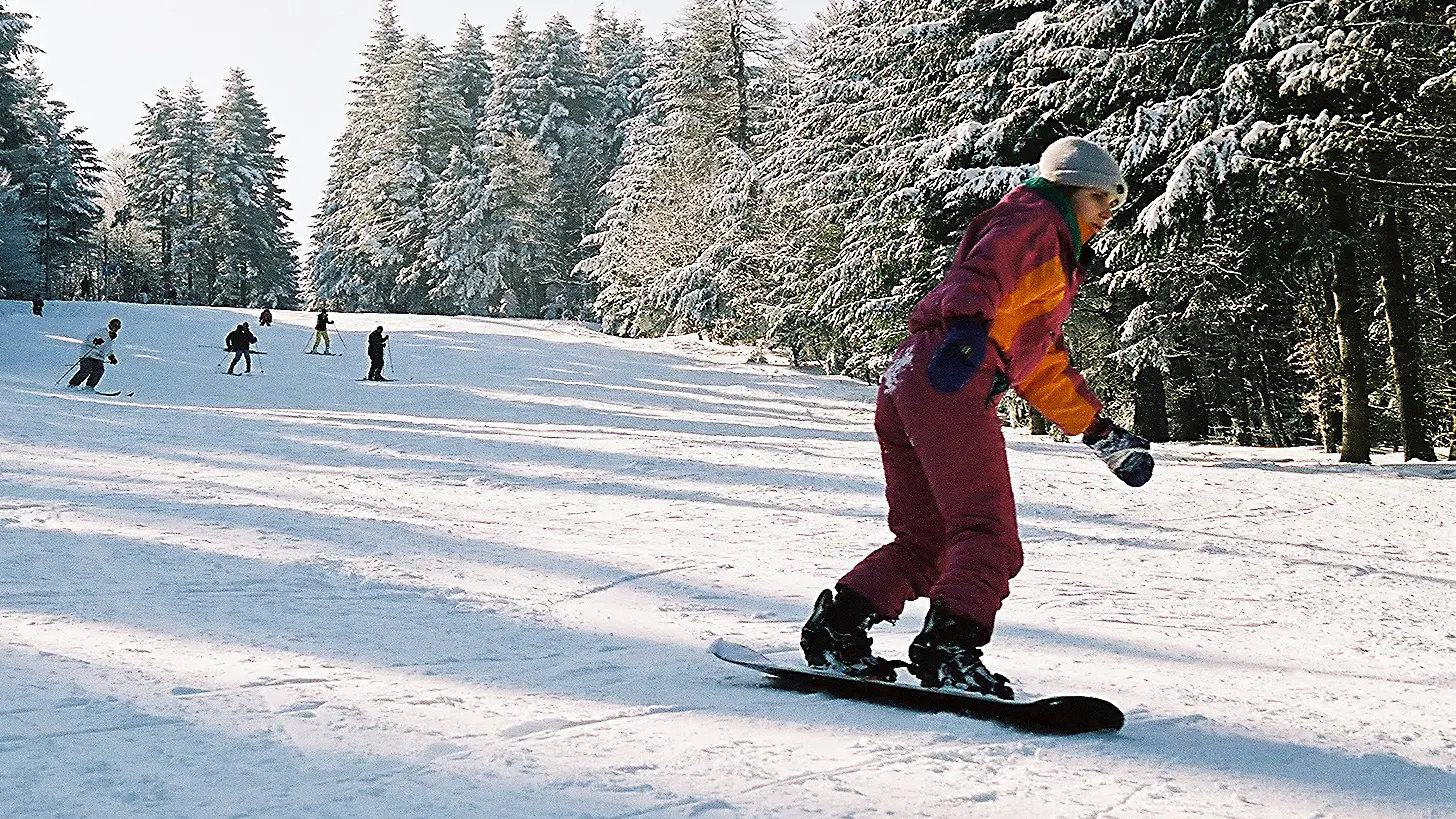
[949,490]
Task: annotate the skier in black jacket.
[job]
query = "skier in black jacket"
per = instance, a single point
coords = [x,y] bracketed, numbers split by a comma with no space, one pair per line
[376,354]
[238,342]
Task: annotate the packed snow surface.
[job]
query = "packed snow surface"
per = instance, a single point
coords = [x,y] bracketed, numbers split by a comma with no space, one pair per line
[487,588]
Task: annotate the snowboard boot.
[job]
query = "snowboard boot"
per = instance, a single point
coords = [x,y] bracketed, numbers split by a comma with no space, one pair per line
[947,654]
[836,636]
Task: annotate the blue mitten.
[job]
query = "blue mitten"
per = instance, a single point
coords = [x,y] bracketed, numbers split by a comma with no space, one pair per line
[1129,456]
[959,357]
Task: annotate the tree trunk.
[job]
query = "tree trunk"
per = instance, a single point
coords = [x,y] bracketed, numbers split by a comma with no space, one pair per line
[1349,329]
[1332,423]
[1243,416]
[1269,404]
[1039,424]
[739,57]
[1150,404]
[1445,268]
[1405,348]
[1190,419]
[1327,365]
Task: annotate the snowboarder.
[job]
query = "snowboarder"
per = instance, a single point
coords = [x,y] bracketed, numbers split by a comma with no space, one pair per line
[377,340]
[265,318]
[95,350]
[993,323]
[37,306]
[321,330]
[238,343]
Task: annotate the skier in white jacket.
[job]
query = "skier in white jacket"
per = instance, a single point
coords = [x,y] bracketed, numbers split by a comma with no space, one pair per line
[96,351]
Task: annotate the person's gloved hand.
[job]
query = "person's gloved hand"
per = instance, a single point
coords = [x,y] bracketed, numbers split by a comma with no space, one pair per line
[112,358]
[1126,454]
[959,357]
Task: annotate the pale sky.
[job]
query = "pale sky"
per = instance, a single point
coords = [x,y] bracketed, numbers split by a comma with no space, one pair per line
[106,58]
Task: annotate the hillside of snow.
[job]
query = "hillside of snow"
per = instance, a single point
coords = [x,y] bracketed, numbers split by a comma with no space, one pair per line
[486,589]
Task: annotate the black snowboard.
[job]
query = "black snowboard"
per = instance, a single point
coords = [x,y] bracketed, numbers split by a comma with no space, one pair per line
[1050,715]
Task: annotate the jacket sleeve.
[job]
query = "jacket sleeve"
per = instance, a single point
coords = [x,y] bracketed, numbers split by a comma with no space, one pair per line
[981,276]
[1059,392]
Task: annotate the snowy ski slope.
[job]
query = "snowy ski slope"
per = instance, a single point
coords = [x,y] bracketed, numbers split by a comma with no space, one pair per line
[486,590]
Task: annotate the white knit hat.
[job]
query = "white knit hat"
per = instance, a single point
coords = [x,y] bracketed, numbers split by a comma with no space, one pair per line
[1085,164]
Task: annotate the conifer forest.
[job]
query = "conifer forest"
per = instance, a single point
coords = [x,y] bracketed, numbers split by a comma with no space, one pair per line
[1284,273]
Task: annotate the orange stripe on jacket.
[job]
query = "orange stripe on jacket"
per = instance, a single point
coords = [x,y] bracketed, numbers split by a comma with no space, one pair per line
[1037,293]
[1059,392]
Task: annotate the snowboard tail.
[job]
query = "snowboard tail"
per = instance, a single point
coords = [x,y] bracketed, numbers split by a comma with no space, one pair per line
[1049,715]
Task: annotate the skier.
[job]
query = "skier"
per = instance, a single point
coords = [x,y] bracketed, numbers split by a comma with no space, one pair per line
[95,350]
[265,318]
[377,340]
[238,343]
[321,330]
[993,323]
[37,306]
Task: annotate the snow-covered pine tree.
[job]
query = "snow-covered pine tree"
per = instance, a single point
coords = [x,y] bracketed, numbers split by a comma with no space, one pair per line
[546,99]
[57,172]
[256,254]
[1295,161]
[468,279]
[339,261]
[569,98]
[635,236]
[687,164]
[187,164]
[616,52]
[524,230]
[20,271]
[512,109]
[468,74]
[152,197]
[1366,99]
[418,124]
[125,241]
[13,50]
[21,275]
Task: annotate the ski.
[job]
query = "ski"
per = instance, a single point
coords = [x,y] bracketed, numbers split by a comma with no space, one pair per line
[111,394]
[226,350]
[310,352]
[1049,715]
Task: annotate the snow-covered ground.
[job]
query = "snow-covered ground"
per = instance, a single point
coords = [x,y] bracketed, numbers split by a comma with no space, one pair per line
[486,590]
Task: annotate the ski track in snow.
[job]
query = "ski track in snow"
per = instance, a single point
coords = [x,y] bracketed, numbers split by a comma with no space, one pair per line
[487,589]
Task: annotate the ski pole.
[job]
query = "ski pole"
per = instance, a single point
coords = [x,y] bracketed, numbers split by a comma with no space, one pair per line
[68,371]
[389,359]
[340,335]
